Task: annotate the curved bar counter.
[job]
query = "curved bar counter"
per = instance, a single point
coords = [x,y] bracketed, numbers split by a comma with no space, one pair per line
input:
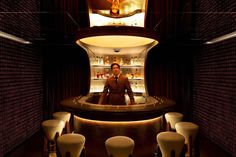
[141,122]
[87,107]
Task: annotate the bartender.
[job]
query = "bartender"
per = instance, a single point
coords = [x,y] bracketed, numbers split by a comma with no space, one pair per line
[115,88]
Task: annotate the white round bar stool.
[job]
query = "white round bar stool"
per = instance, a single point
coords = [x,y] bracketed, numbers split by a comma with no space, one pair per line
[172,118]
[71,144]
[52,129]
[189,130]
[170,143]
[64,116]
[119,146]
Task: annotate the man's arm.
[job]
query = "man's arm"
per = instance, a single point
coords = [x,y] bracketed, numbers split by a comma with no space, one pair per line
[104,93]
[129,91]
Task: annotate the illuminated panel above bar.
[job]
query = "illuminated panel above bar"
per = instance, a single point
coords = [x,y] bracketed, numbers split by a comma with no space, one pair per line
[117,12]
[136,20]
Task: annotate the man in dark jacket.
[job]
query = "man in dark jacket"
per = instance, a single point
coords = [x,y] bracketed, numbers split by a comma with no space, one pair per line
[115,88]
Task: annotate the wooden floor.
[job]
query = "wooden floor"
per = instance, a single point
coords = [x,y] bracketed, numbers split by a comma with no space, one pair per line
[34,146]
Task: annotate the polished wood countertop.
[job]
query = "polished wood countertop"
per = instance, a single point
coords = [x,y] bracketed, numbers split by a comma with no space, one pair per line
[83,106]
[152,103]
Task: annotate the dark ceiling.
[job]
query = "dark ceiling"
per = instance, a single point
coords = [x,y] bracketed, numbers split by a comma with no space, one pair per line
[171,20]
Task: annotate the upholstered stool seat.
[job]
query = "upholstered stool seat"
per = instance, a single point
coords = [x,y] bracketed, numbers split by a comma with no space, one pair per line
[170,143]
[172,118]
[52,129]
[119,146]
[189,130]
[71,143]
[64,116]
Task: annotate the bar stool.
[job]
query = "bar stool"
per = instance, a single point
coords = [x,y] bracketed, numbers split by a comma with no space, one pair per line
[189,131]
[172,118]
[52,130]
[64,116]
[170,143]
[71,145]
[119,146]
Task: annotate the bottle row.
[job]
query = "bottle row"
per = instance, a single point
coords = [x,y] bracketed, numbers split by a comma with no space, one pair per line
[122,60]
[104,73]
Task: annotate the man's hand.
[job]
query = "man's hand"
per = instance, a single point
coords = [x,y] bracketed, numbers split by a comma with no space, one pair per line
[132,103]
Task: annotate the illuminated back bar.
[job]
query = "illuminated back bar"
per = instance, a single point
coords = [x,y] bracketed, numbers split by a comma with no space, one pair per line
[117,35]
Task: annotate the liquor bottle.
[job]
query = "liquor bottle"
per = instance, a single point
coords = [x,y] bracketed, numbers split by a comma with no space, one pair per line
[131,61]
[102,62]
[136,74]
[114,60]
[98,74]
[106,60]
[115,10]
[121,61]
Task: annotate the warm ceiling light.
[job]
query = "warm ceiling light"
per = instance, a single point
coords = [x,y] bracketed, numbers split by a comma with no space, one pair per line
[119,41]
[13,38]
[105,39]
[222,38]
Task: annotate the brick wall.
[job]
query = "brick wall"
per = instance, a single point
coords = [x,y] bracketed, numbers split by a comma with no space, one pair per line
[21,87]
[214,95]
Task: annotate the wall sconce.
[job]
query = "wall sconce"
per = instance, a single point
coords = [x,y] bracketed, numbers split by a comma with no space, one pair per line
[222,38]
[13,38]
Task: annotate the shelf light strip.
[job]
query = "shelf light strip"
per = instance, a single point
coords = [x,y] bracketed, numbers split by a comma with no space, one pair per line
[222,38]
[13,38]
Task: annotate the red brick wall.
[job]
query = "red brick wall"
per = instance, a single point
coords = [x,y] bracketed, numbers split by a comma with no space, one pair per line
[21,85]
[214,85]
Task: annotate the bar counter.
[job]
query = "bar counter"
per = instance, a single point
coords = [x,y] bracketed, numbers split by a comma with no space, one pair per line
[87,107]
[141,122]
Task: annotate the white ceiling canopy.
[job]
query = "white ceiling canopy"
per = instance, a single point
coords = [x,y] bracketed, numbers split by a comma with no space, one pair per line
[116,41]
